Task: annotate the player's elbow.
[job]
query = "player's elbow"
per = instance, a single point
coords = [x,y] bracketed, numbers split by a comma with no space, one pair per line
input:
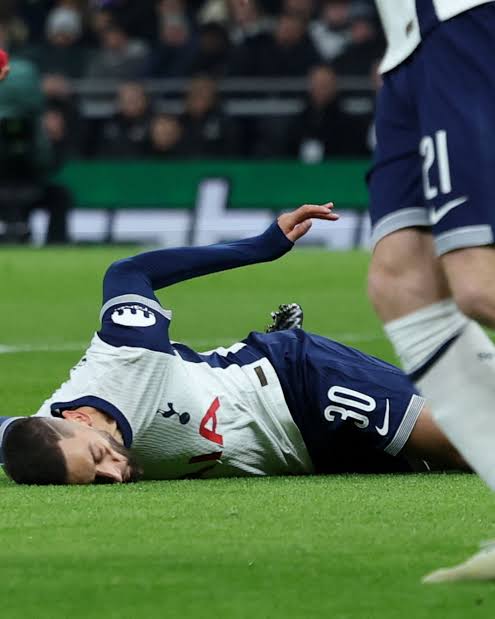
[118,269]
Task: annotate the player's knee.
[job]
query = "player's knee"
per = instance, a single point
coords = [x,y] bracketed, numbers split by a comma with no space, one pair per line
[384,277]
[117,270]
[476,301]
[119,266]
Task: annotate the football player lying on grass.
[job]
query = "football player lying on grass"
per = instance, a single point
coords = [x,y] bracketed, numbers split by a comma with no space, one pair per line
[281,403]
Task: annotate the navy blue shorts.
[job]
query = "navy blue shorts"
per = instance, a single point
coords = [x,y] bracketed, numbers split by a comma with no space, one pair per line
[355,412]
[435,160]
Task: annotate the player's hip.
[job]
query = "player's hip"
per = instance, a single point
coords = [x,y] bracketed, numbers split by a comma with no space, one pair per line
[345,402]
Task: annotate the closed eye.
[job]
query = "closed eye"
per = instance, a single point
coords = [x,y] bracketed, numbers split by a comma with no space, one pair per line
[97,455]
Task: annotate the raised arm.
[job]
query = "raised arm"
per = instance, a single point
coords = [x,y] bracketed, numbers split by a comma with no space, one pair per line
[131,314]
[154,270]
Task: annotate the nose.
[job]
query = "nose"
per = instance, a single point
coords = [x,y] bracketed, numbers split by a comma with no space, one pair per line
[111,470]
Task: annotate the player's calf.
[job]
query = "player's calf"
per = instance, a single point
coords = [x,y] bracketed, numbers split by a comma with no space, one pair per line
[452,361]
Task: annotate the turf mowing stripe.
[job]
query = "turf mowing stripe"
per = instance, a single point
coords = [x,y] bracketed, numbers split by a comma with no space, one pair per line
[75,346]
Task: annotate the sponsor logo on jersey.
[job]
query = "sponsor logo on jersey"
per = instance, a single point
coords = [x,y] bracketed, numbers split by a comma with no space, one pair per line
[437,214]
[133,316]
[383,431]
[184,418]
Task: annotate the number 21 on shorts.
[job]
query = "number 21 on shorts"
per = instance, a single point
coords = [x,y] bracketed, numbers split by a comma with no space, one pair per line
[435,149]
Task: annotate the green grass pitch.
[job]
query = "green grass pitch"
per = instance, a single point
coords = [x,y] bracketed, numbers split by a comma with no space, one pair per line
[350,547]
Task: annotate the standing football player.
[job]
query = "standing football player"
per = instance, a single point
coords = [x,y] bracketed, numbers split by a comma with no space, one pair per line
[432,274]
[278,403]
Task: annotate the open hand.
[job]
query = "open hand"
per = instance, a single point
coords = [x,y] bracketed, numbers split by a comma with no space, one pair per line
[4,72]
[296,223]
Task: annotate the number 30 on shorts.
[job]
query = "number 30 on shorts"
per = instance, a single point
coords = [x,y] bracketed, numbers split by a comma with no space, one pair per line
[434,149]
[353,399]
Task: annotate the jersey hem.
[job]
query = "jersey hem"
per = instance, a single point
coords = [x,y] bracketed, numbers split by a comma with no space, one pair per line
[403,218]
[460,238]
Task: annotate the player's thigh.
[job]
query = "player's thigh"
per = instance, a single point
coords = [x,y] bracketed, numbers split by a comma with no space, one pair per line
[455,83]
[396,200]
[405,273]
[427,442]
[357,401]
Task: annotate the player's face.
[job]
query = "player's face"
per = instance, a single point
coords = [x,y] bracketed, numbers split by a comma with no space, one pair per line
[95,457]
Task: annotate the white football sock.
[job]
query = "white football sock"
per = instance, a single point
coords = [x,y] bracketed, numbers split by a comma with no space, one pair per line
[452,361]
[418,336]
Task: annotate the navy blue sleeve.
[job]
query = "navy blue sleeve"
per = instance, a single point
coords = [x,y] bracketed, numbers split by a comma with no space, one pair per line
[131,313]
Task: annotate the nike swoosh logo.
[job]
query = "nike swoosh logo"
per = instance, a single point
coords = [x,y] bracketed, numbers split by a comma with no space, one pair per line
[383,431]
[439,213]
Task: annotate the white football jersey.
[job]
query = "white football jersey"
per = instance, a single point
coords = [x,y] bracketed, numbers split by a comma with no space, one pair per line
[187,418]
[401,22]
[183,413]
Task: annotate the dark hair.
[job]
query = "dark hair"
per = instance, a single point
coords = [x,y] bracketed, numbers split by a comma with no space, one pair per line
[32,454]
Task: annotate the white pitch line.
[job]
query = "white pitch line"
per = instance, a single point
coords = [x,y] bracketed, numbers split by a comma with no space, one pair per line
[10,349]
[18,348]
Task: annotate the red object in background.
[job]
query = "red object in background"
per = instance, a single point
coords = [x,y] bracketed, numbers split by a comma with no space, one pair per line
[4,59]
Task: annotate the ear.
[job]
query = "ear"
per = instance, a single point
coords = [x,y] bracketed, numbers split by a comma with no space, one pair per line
[78,416]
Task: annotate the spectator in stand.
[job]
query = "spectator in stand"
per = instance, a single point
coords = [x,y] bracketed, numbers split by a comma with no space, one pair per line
[212,55]
[62,53]
[16,29]
[331,33]
[60,98]
[177,42]
[322,129]
[302,8]
[125,135]
[288,52]
[99,20]
[57,199]
[247,21]
[166,134]
[136,16]
[214,11]
[33,14]
[365,45]
[119,56]
[207,132]
[29,153]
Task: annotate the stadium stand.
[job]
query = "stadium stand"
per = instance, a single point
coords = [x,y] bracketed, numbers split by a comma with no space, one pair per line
[260,56]
[199,80]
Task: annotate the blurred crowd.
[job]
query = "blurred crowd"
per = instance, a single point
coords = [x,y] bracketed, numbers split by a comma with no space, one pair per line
[129,42]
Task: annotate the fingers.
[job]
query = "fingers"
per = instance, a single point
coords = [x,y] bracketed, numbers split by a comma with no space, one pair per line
[296,223]
[4,72]
[299,230]
[316,211]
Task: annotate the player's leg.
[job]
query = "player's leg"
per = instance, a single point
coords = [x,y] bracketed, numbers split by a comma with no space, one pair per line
[451,359]
[471,275]
[358,411]
[404,274]
[427,442]
[457,115]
